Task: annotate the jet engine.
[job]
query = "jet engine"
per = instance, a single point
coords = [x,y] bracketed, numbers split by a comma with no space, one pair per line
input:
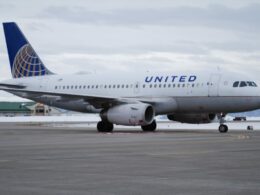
[192,118]
[129,114]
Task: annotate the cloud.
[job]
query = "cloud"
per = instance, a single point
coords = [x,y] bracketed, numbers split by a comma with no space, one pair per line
[118,35]
[156,61]
[215,16]
[5,6]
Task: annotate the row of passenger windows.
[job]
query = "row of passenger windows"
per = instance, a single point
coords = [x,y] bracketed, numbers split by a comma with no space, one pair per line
[129,86]
[244,84]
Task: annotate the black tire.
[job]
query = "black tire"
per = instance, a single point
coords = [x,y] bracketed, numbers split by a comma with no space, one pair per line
[150,128]
[223,128]
[100,126]
[105,126]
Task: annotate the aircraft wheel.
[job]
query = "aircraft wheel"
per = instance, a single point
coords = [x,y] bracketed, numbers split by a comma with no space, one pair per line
[150,128]
[105,126]
[223,128]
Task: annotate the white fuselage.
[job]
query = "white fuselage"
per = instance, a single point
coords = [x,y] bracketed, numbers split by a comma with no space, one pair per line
[171,92]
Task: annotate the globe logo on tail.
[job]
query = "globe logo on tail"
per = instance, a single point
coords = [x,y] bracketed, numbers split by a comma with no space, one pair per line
[27,63]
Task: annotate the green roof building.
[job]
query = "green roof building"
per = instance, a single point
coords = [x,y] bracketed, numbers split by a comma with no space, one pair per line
[15,108]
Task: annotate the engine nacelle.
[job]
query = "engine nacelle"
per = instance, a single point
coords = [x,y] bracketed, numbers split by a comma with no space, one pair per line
[129,114]
[192,118]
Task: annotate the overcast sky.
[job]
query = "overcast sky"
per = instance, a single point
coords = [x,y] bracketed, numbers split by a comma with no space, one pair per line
[101,35]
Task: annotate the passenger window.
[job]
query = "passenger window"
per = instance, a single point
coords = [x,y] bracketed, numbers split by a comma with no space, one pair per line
[242,84]
[250,84]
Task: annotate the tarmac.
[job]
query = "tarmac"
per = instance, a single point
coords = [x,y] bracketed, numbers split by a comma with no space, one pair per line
[44,160]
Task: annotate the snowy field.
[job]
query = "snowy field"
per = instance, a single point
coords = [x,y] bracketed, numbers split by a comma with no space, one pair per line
[90,120]
[51,119]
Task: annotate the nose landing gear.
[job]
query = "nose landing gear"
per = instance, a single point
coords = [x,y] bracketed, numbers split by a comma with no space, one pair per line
[222,127]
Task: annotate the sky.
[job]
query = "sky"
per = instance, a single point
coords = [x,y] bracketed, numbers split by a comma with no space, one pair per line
[136,35]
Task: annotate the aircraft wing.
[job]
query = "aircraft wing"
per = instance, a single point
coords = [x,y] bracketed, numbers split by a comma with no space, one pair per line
[95,100]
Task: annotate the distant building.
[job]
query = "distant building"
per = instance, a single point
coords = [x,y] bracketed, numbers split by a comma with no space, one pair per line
[38,109]
[15,108]
[26,109]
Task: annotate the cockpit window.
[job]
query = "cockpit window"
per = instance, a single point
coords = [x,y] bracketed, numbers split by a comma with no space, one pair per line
[251,84]
[236,84]
[243,84]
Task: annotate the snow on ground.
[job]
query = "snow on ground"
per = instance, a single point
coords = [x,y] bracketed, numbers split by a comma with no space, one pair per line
[48,119]
[90,120]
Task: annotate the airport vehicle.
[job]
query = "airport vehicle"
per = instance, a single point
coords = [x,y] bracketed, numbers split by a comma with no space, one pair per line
[184,96]
[239,118]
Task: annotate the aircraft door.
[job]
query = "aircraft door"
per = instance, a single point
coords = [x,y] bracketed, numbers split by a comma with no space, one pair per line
[213,85]
[136,87]
[43,81]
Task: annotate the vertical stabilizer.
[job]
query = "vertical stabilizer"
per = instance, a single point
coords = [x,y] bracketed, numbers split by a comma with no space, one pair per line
[23,59]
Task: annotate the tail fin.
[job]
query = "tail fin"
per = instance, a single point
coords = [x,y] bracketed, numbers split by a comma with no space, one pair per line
[23,59]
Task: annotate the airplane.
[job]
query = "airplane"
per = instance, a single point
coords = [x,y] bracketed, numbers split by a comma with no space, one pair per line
[124,99]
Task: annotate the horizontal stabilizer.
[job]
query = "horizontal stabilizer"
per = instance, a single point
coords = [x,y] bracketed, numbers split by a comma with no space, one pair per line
[11,86]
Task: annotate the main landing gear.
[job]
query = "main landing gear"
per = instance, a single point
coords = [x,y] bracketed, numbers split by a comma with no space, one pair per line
[105,126]
[150,128]
[222,127]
